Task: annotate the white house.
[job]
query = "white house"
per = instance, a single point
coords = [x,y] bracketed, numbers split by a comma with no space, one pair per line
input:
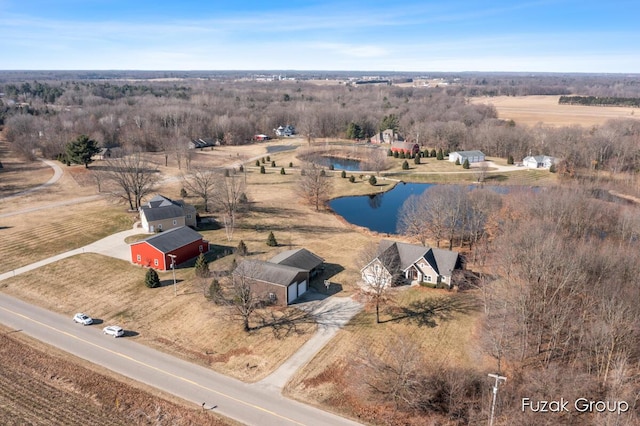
[471,156]
[399,262]
[538,161]
[287,130]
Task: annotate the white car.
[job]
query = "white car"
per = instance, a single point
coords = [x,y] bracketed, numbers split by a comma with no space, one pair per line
[113,330]
[83,319]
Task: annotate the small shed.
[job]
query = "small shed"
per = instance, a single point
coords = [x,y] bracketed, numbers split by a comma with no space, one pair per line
[156,252]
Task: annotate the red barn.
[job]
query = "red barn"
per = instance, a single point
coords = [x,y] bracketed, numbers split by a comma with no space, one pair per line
[184,243]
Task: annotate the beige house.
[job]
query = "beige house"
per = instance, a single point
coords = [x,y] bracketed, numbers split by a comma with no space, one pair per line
[161,214]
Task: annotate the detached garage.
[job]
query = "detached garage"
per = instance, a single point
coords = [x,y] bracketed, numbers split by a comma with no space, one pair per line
[282,279]
[157,251]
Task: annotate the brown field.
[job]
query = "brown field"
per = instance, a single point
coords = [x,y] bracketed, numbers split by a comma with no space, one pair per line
[531,110]
[41,386]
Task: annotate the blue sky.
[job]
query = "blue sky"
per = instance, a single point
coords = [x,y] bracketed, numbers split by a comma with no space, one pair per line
[401,35]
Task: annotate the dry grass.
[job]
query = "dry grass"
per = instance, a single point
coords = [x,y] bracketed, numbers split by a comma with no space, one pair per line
[531,110]
[447,342]
[37,235]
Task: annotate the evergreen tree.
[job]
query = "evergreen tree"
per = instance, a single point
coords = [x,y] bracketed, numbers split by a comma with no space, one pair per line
[273,164]
[151,278]
[262,170]
[466,164]
[241,250]
[389,153]
[372,180]
[416,160]
[352,178]
[81,150]
[201,267]
[457,161]
[433,153]
[396,154]
[440,154]
[282,172]
[271,240]
[343,174]
[290,164]
[405,165]
[257,163]
[510,159]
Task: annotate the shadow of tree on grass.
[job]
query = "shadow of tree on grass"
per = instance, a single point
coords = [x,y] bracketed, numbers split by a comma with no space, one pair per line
[428,312]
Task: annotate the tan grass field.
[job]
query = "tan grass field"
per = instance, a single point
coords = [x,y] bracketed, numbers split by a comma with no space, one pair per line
[531,110]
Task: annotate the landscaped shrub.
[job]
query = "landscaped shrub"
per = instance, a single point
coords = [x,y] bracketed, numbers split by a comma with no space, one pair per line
[151,278]
[405,165]
[433,153]
[389,153]
[273,164]
[553,169]
[372,180]
[290,164]
[262,160]
[440,154]
[268,158]
[262,170]
[402,154]
[352,178]
[282,172]
[466,164]
[416,159]
[257,163]
[343,174]
[241,168]
[271,240]
[396,154]
[458,161]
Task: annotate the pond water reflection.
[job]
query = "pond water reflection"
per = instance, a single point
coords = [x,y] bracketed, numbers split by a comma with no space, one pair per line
[345,164]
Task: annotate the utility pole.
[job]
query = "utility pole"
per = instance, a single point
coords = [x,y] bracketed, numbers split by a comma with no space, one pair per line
[173,267]
[495,393]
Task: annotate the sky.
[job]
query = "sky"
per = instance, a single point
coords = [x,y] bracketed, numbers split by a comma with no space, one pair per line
[402,35]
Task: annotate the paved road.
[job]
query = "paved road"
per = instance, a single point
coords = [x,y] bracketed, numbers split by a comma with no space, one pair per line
[249,404]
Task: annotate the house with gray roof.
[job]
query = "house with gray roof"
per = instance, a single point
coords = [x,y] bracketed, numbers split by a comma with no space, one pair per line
[175,246]
[471,156]
[162,213]
[398,263]
[282,279]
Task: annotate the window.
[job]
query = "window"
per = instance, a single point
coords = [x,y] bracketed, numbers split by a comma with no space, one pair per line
[200,248]
[155,262]
[427,278]
[175,222]
[189,216]
[272,297]
[160,227]
[139,258]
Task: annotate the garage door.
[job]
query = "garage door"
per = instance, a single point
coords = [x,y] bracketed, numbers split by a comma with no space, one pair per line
[302,288]
[292,293]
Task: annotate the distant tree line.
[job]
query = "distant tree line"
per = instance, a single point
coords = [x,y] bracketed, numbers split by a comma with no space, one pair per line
[599,101]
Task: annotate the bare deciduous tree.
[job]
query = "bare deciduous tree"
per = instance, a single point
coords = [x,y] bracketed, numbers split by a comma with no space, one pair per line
[227,198]
[381,270]
[134,176]
[202,183]
[241,295]
[314,185]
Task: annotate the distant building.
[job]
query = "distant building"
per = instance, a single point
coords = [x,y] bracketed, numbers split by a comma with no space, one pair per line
[260,137]
[538,161]
[387,136]
[203,143]
[287,130]
[471,156]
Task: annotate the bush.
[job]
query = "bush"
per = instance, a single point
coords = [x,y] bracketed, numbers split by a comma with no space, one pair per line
[396,154]
[262,160]
[373,181]
[271,240]
[151,279]
[402,154]
[323,173]
[257,163]
[215,291]
[466,164]
[241,168]
[273,164]
[262,170]
[268,158]
[352,178]
[553,169]
[405,165]
[282,172]
[433,153]
[458,161]
[440,155]
[416,160]
[290,164]
[389,153]
[241,250]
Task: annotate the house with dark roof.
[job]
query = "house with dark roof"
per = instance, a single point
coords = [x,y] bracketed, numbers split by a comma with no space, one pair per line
[203,143]
[162,213]
[282,279]
[398,263]
[178,245]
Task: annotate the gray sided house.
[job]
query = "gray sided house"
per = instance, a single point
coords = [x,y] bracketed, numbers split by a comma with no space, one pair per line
[471,156]
[161,214]
[282,279]
[400,263]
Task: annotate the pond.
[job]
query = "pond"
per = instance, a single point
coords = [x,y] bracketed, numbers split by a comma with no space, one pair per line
[338,163]
[379,212]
